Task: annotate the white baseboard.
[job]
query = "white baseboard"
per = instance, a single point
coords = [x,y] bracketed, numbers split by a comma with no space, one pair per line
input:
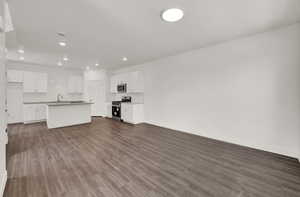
[3,183]
[266,149]
[34,121]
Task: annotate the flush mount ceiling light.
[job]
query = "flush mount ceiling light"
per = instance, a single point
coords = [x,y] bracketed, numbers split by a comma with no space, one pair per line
[62,43]
[124,59]
[21,50]
[172,15]
[62,38]
[65,58]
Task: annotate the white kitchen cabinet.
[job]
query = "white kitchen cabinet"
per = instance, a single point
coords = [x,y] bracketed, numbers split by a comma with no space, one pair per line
[75,85]
[29,84]
[123,78]
[35,82]
[14,76]
[132,113]
[28,113]
[113,84]
[108,110]
[34,112]
[134,81]
[40,112]
[42,81]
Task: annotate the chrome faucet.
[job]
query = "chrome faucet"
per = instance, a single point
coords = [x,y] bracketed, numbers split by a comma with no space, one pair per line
[59,97]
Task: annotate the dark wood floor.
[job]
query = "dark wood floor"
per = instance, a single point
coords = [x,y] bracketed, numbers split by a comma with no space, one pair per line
[112,159]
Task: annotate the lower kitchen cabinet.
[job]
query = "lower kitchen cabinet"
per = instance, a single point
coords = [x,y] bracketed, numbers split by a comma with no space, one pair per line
[108,110]
[132,113]
[34,112]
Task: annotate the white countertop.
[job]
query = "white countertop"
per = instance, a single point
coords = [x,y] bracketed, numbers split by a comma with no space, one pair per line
[132,103]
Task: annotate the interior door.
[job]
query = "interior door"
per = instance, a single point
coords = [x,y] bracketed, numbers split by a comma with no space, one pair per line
[95,93]
[15,102]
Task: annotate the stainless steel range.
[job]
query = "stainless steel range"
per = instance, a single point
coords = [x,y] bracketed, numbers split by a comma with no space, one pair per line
[116,107]
[116,110]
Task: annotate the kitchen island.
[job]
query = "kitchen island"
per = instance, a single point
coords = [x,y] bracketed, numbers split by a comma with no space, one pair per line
[62,114]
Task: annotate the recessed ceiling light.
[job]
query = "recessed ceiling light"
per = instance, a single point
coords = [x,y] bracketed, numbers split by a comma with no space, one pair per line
[97,64]
[21,51]
[66,58]
[59,63]
[172,15]
[124,59]
[21,58]
[88,68]
[62,43]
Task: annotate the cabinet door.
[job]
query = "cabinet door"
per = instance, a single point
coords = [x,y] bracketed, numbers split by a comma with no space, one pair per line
[75,84]
[79,84]
[127,113]
[41,82]
[113,84]
[29,113]
[15,76]
[71,85]
[109,110]
[123,112]
[29,84]
[135,82]
[40,112]
[35,82]
[124,78]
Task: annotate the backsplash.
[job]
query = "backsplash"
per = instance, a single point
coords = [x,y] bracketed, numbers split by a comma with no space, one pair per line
[135,97]
[36,97]
[57,82]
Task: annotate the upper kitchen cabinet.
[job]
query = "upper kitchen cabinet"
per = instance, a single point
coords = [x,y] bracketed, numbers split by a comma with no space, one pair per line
[75,84]
[14,76]
[35,82]
[113,84]
[134,81]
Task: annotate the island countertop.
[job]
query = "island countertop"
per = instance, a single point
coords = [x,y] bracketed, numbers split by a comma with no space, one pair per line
[63,114]
[68,103]
[60,103]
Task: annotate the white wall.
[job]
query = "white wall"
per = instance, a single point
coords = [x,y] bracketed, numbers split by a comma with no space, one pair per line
[57,81]
[3,117]
[245,91]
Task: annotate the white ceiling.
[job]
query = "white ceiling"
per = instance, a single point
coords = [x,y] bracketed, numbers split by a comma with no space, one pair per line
[107,30]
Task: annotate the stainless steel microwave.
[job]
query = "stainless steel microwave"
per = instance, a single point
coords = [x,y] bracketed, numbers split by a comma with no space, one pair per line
[122,88]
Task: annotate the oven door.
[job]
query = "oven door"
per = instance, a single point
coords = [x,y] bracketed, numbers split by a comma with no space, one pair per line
[116,112]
